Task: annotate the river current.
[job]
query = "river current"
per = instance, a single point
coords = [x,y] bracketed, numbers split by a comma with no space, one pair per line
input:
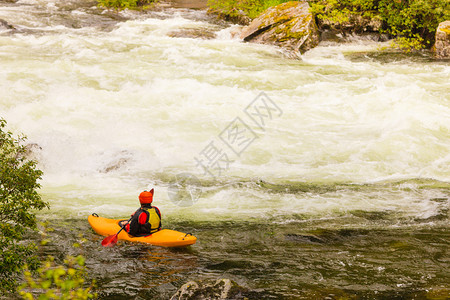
[322,176]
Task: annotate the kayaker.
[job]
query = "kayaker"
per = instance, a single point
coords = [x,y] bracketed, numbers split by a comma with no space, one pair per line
[147,219]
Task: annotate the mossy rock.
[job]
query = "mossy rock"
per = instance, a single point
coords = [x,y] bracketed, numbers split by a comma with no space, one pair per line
[289,25]
[211,289]
[442,45]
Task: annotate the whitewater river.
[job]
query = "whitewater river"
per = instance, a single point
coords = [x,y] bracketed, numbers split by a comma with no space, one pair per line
[322,176]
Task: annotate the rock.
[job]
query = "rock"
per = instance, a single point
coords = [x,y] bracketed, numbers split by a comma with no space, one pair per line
[123,158]
[289,25]
[442,45]
[186,291]
[5,25]
[356,24]
[190,4]
[234,16]
[195,33]
[210,289]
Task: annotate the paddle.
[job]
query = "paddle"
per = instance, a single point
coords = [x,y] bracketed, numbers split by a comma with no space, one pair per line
[111,240]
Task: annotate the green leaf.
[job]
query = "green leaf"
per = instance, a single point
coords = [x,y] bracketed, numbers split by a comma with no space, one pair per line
[18,201]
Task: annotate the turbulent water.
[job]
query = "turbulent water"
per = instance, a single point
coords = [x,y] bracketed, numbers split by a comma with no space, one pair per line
[323,176]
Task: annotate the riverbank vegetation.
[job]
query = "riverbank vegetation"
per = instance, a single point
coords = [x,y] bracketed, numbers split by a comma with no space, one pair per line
[66,281]
[412,23]
[126,4]
[19,258]
[18,200]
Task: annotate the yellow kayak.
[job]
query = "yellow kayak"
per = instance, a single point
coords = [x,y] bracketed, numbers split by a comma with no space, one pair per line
[164,237]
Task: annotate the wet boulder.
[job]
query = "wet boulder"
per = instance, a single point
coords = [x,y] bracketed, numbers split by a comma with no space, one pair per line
[5,25]
[120,160]
[442,45]
[357,25]
[194,33]
[289,25]
[211,289]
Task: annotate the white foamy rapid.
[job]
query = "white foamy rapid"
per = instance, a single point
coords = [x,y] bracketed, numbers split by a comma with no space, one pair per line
[112,111]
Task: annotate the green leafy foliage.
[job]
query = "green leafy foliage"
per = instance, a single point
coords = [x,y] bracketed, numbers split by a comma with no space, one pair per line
[341,11]
[126,4]
[412,22]
[18,198]
[234,8]
[53,281]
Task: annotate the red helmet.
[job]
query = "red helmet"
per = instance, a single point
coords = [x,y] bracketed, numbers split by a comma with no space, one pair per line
[146,197]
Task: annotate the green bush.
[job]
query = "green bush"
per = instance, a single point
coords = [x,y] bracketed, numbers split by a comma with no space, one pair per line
[234,8]
[18,198]
[65,281]
[341,11]
[126,4]
[412,23]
